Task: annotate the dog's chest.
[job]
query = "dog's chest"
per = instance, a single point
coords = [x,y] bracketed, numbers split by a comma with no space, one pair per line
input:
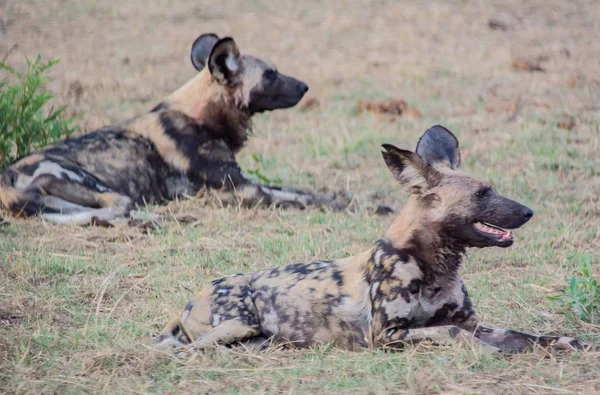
[435,304]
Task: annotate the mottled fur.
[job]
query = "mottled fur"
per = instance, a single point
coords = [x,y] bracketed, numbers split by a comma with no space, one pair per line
[185,143]
[404,289]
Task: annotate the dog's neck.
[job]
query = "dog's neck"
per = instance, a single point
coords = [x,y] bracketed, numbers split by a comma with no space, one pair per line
[439,257]
[218,107]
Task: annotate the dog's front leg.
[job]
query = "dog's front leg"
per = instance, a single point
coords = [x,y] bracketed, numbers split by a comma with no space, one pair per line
[510,341]
[294,197]
[215,166]
[517,342]
[447,334]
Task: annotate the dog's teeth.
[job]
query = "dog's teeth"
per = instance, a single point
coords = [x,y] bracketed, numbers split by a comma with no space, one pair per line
[504,234]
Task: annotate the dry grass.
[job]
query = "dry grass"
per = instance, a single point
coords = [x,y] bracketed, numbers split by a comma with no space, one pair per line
[79,306]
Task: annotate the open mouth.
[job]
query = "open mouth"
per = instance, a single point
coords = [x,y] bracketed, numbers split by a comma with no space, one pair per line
[494,231]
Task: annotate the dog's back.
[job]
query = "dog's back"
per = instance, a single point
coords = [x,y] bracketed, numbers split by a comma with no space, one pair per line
[323,301]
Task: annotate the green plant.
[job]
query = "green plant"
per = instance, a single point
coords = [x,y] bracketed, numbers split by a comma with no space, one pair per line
[257,174]
[24,126]
[583,293]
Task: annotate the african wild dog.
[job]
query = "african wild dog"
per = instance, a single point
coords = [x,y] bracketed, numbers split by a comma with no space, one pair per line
[404,289]
[185,143]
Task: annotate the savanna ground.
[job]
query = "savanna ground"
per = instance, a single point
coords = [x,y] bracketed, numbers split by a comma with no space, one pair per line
[79,306]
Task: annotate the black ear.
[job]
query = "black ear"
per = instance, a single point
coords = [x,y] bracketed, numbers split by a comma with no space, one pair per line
[224,61]
[438,146]
[201,49]
[408,169]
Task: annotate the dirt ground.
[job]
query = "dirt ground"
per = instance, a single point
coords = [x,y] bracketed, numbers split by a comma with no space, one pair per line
[79,306]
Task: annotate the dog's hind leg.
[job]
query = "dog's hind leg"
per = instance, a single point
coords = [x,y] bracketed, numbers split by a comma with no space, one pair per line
[257,343]
[446,334]
[227,332]
[173,335]
[74,203]
[92,216]
[80,194]
[516,342]
[62,206]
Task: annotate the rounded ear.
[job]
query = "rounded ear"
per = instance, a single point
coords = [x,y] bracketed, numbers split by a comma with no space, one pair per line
[201,49]
[438,146]
[224,61]
[409,169]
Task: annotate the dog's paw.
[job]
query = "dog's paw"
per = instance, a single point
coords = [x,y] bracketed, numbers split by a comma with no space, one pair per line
[167,341]
[340,205]
[334,201]
[286,204]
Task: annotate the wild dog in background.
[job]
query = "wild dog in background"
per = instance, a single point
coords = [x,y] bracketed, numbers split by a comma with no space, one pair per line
[185,143]
[405,288]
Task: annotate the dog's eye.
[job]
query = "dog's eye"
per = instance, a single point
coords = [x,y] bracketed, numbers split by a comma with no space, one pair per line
[482,192]
[270,74]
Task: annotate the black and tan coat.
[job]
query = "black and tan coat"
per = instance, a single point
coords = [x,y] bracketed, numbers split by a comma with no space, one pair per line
[405,288]
[185,143]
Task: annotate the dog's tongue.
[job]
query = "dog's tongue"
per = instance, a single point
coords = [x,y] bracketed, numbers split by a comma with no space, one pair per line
[494,230]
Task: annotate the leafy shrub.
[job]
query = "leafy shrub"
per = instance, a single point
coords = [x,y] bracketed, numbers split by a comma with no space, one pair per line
[583,293]
[24,126]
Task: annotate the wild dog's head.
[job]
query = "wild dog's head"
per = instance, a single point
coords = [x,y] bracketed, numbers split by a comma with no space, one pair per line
[262,87]
[445,201]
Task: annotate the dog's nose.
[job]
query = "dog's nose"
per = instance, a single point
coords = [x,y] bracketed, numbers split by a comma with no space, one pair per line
[527,212]
[303,87]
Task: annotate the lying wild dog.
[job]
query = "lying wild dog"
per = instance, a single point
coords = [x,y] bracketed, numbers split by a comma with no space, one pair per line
[186,143]
[404,289]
